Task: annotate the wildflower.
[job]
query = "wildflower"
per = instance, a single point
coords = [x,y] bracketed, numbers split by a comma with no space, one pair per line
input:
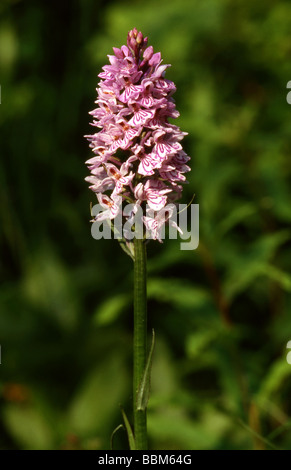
[155,224]
[138,154]
[111,204]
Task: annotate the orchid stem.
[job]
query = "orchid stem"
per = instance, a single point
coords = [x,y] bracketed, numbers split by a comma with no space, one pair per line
[139,340]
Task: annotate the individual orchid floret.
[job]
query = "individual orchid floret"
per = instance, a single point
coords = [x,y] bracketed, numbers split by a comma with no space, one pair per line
[111,204]
[155,224]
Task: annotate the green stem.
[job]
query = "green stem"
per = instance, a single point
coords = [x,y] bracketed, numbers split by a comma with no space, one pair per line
[139,340]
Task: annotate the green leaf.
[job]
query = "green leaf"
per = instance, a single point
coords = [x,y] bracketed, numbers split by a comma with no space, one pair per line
[255,263]
[94,404]
[282,278]
[48,285]
[198,342]
[257,435]
[28,427]
[174,427]
[130,435]
[273,382]
[144,388]
[120,426]
[127,248]
[235,217]
[110,309]
[178,292]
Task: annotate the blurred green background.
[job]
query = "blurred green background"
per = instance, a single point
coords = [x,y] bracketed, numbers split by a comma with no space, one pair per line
[221,313]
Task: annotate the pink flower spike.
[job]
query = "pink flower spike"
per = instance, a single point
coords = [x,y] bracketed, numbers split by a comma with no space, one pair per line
[137,152]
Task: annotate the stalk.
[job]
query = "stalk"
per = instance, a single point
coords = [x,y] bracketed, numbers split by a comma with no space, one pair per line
[139,340]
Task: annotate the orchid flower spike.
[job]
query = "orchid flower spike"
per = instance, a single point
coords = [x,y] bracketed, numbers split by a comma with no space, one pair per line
[138,156]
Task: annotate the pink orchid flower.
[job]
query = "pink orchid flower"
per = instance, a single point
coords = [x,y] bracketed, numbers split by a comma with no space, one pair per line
[138,152]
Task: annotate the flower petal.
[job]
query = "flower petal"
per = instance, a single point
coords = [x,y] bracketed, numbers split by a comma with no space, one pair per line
[141,117]
[156,202]
[148,164]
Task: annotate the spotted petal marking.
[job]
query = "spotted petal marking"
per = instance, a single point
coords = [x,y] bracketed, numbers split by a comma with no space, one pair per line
[163,150]
[106,75]
[131,133]
[154,123]
[141,117]
[173,175]
[130,92]
[148,164]
[176,146]
[147,102]
[116,144]
[113,206]
[156,202]
[145,168]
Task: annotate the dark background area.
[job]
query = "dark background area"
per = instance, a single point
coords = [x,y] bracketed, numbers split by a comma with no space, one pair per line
[221,313]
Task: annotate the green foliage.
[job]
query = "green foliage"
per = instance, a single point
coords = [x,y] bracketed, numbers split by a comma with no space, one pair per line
[130,435]
[145,385]
[221,313]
